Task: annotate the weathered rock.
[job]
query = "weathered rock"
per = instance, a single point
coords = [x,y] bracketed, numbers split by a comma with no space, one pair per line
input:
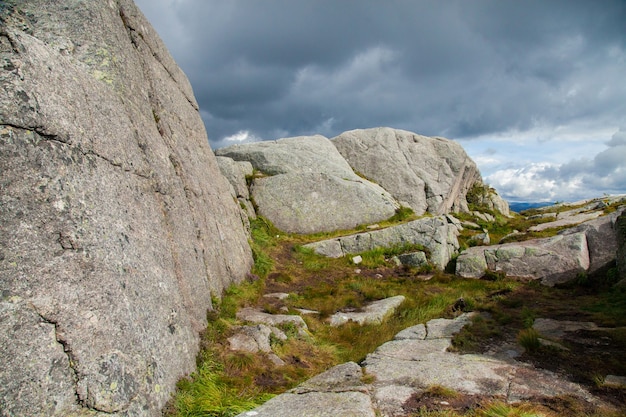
[566,221]
[427,174]
[434,233]
[116,226]
[255,316]
[373,313]
[554,260]
[602,240]
[336,392]
[556,329]
[620,229]
[614,381]
[310,187]
[251,339]
[418,363]
[481,195]
[236,173]
[413,259]
[318,202]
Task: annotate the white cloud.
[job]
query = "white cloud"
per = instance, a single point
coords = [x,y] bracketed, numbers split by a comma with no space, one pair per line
[243,136]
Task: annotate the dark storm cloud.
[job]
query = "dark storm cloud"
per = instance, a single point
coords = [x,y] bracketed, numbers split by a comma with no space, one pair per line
[462,69]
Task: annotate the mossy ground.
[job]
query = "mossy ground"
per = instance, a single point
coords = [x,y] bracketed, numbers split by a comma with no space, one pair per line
[227,382]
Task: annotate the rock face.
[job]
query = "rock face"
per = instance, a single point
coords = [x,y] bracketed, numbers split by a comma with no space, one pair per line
[116,226]
[427,174]
[436,234]
[310,188]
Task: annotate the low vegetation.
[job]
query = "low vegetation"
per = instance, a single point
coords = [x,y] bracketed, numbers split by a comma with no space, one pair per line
[227,383]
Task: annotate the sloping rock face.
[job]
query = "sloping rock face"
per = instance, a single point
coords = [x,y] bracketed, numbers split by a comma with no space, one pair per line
[427,174]
[436,234]
[310,187]
[115,224]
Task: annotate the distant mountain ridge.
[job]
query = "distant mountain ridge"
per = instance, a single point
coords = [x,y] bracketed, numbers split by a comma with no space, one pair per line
[519,206]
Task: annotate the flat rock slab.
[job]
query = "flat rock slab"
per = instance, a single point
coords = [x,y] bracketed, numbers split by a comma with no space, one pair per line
[566,221]
[437,234]
[556,329]
[373,313]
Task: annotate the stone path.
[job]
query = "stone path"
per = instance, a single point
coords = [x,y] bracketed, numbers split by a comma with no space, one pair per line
[414,361]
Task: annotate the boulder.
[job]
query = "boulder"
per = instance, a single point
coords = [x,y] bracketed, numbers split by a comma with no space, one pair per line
[427,174]
[309,203]
[434,233]
[116,226]
[309,187]
[602,236]
[374,313]
[554,260]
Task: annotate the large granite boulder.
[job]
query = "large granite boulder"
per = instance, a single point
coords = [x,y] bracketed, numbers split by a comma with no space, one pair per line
[310,188]
[427,174]
[554,260]
[437,234]
[602,236]
[116,227]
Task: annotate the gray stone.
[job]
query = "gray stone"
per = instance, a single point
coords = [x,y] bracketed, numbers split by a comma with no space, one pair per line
[309,203]
[236,173]
[554,260]
[315,404]
[310,187]
[447,328]
[434,233]
[427,174]
[116,226]
[566,221]
[614,381]
[602,240]
[413,259]
[373,313]
[414,332]
[251,339]
[556,329]
[336,392]
[255,316]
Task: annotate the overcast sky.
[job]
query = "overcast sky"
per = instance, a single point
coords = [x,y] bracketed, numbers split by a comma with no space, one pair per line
[535,91]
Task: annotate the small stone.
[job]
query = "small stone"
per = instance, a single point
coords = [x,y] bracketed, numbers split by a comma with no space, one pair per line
[279,295]
[357,259]
[614,381]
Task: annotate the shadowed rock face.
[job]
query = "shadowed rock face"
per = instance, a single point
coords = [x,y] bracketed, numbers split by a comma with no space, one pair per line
[115,223]
[427,174]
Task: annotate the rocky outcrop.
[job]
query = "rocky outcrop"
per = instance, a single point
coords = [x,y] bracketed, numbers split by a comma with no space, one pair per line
[552,260]
[416,360]
[309,187]
[116,227]
[427,174]
[436,234]
[586,249]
